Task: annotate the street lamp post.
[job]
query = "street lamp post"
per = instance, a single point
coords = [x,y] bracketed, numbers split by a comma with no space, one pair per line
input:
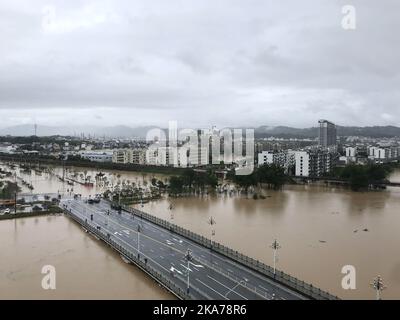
[138,233]
[211,222]
[189,258]
[378,286]
[275,246]
[172,213]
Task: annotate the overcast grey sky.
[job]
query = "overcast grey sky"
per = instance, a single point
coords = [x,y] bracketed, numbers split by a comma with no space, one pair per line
[203,62]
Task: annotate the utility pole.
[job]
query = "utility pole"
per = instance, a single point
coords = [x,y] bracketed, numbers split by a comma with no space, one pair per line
[275,246]
[378,286]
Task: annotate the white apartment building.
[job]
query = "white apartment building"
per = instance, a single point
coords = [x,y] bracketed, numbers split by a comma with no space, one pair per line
[284,158]
[135,156]
[313,163]
[152,156]
[351,152]
[198,156]
[122,156]
[265,157]
[302,159]
[382,154]
[158,156]
[184,156]
[377,153]
[138,156]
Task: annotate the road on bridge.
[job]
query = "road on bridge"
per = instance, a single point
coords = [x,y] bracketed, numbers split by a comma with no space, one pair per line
[211,275]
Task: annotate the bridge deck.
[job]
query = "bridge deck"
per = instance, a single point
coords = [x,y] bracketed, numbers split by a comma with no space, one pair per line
[212,275]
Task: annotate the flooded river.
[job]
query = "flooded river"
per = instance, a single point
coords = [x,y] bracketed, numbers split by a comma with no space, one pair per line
[320,228]
[85,268]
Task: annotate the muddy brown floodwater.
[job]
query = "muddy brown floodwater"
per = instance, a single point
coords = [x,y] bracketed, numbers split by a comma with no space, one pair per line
[321,229]
[85,268]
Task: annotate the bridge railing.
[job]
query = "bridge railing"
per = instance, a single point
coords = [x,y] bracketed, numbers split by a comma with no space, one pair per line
[281,277]
[132,257]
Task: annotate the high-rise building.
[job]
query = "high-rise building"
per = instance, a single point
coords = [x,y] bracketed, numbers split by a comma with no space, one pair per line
[327,133]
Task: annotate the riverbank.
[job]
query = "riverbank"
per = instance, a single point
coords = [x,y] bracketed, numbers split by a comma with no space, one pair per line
[19,215]
[35,160]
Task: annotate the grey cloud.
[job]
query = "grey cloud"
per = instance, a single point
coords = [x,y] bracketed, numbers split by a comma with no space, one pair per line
[226,62]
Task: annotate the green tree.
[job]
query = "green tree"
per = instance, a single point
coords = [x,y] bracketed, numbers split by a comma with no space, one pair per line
[272,174]
[8,190]
[176,184]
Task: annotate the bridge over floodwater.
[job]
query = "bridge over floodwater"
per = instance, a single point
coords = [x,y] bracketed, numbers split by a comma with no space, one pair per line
[187,264]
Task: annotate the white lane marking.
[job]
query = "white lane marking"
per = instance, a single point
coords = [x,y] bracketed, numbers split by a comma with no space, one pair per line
[227,287]
[186,267]
[178,240]
[173,270]
[211,288]
[263,288]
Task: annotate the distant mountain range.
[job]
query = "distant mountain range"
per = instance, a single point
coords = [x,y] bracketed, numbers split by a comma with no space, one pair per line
[140,132]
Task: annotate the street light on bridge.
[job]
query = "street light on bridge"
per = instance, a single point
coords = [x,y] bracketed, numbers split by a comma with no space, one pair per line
[189,259]
[275,246]
[139,229]
[172,213]
[378,286]
[211,222]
